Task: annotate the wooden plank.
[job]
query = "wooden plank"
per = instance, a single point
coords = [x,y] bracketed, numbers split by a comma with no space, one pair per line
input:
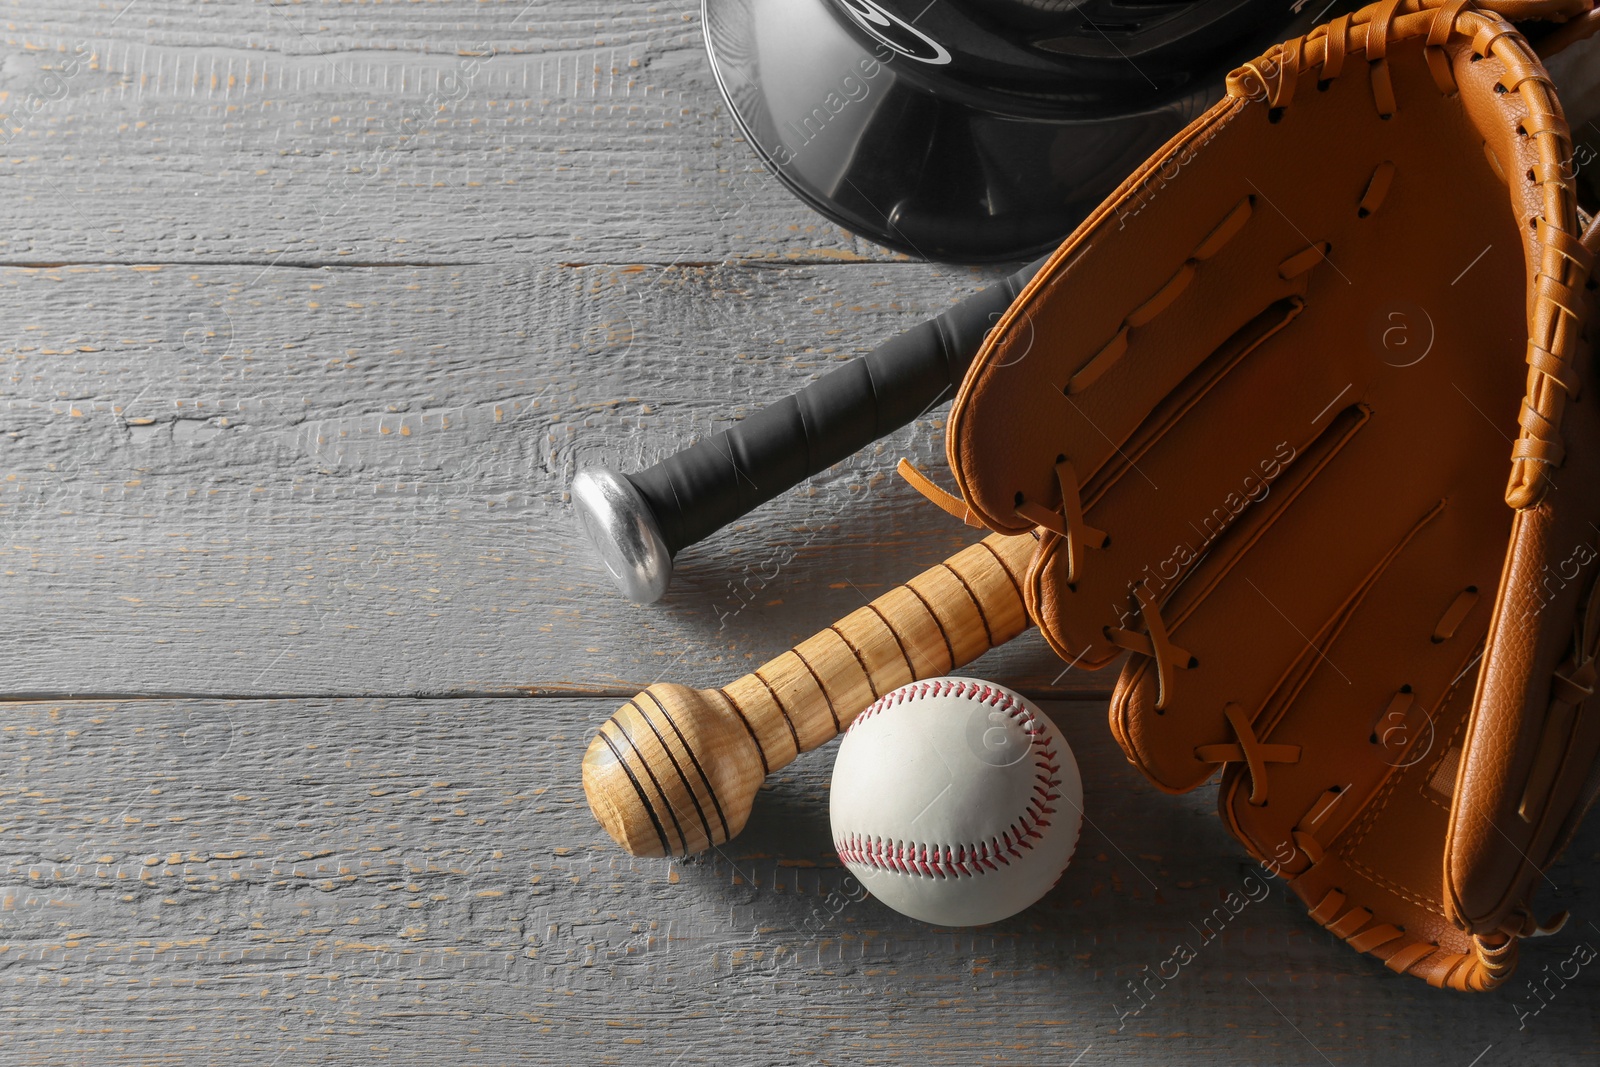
[422,880]
[230,471]
[577,130]
[231,482]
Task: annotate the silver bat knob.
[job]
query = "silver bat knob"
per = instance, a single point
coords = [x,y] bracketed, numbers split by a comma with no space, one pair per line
[624,532]
[638,522]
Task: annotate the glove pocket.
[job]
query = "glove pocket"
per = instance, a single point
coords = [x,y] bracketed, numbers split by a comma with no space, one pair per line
[1196,627]
[1363,853]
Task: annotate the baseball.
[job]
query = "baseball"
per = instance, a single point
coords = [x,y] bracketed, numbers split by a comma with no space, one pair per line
[955,801]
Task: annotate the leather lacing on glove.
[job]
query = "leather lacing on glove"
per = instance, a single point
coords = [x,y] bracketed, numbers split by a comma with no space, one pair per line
[1340,50]
[1566,262]
[1555,321]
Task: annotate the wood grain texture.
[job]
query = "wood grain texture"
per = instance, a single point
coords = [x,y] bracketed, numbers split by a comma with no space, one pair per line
[675,770]
[417,881]
[351,481]
[313,310]
[383,132]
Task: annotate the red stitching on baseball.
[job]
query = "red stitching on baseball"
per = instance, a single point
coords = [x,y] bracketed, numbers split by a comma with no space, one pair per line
[972,858]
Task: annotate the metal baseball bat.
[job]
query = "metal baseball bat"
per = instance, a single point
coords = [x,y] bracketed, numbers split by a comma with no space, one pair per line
[676,770]
[639,522]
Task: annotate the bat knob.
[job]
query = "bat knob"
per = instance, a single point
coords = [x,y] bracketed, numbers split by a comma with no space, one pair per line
[673,772]
[624,531]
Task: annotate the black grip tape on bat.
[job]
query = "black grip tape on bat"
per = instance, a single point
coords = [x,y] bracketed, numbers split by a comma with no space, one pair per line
[715,481]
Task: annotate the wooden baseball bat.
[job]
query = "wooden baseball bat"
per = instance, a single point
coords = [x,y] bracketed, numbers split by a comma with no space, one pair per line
[676,770]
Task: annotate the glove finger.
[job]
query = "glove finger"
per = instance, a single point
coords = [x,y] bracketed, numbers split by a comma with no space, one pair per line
[1266,618]
[1350,779]
[1142,369]
[1342,758]
[1212,318]
[1346,448]
[1534,742]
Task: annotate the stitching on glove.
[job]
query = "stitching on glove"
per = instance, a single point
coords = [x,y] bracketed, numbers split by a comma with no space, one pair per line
[1396,709]
[1304,260]
[1374,807]
[1408,956]
[1090,372]
[1554,368]
[1067,524]
[1439,31]
[1429,904]
[1379,29]
[1335,44]
[1404,951]
[1305,834]
[1346,925]
[1373,937]
[1379,801]
[1080,534]
[1326,910]
[1377,189]
[1310,846]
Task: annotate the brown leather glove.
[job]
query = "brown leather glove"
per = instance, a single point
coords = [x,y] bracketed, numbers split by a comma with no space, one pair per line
[1530,750]
[1260,404]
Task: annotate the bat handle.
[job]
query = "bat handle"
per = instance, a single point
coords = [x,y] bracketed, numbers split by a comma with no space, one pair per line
[676,770]
[639,522]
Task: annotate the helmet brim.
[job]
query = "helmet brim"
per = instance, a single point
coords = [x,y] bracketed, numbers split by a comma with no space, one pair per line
[858,134]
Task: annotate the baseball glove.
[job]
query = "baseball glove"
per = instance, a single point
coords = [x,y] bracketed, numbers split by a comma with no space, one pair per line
[1259,406]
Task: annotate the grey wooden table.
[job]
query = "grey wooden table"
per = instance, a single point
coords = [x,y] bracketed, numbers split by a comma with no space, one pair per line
[312,311]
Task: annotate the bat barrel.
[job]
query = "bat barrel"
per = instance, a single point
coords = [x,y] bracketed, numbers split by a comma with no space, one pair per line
[676,770]
[639,522]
